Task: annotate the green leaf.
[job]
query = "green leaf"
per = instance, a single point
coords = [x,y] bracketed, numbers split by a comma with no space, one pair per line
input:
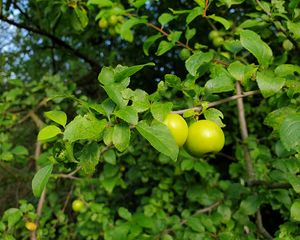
[20,150]
[149,42]
[82,17]
[190,33]
[195,12]
[255,45]
[250,205]
[40,180]
[159,137]
[113,91]
[221,83]
[164,47]
[124,213]
[295,210]
[143,221]
[166,18]
[121,136]
[106,76]
[126,33]
[294,28]
[214,115]
[48,133]
[275,119]
[128,114]
[173,81]
[159,110]
[85,127]
[221,20]
[129,71]
[100,3]
[140,100]
[195,224]
[59,117]
[89,158]
[110,157]
[12,216]
[290,132]
[286,69]
[295,182]
[268,83]
[194,62]
[187,165]
[241,72]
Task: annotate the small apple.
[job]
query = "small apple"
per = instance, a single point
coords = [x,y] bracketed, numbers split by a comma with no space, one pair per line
[178,128]
[77,205]
[204,136]
[31,226]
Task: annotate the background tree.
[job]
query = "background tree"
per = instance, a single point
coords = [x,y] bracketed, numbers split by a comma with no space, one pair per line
[85,88]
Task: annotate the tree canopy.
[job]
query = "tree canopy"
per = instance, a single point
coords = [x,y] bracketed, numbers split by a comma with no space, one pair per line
[86,86]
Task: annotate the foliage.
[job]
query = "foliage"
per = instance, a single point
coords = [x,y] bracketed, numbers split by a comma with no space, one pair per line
[67,134]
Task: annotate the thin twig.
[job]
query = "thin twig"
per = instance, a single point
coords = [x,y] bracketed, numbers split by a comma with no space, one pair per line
[219,102]
[67,199]
[167,34]
[206,8]
[184,221]
[249,165]
[244,133]
[261,228]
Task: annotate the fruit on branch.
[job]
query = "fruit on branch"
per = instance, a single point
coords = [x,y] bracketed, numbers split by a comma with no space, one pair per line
[103,23]
[178,128]
[287,45]
[213,34]
[77,205]
[204,136]
[184,54]
[113,19]
[218,41]
[31,226]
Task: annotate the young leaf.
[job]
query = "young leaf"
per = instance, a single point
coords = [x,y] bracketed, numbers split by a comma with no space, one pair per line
[129,71]
[84,127]
[255,45]
[110,156]
[290,132]
[128,114]
[195,61]
[149,41]
[159,110]
[59,117]
[163,47]
[106,76]
[101,3]
[12,216]
[89,158]
[268,83]
[165,18]
[221,20]
[159,136]
[214,115]
[48,133]
[121,136]
[113,91]
[124,213]
[295,210]
[195,12]
[40,180]
[126,33]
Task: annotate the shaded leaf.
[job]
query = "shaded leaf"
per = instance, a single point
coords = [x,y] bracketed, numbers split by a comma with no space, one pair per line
[40,180]
[290,132]
[84,127]
[59,117]
[255,45]
[159,137]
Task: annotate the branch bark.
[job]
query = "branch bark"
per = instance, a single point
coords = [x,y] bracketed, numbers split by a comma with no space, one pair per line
[56,40]
[248,161]
[219,102]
